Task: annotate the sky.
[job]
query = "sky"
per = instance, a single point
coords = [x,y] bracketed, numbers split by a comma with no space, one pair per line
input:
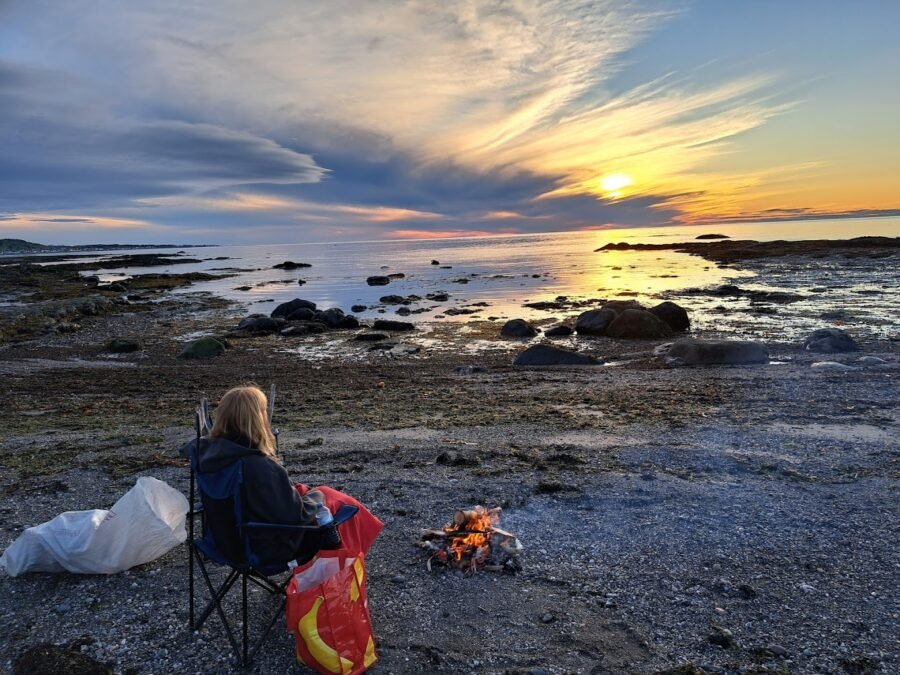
[223,121]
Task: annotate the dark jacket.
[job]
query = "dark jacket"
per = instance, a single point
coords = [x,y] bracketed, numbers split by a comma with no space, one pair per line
[267,496]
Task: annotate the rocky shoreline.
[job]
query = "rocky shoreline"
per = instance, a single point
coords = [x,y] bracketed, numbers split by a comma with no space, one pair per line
[681,520]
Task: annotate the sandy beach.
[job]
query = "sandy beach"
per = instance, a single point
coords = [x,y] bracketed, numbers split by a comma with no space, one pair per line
[675,520]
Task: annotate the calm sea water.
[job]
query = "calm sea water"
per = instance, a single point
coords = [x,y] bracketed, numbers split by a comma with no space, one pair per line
[507,271]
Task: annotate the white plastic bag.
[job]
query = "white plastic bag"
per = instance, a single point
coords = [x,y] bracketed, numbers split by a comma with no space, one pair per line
[144,524]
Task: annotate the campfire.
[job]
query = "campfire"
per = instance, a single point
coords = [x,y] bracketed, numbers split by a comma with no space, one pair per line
[473,541]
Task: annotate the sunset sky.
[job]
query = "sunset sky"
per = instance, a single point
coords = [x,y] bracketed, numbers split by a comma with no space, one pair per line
[281,121]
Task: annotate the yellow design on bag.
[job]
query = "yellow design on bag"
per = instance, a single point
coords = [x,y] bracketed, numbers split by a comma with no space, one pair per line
[370,656]
[321,652]
[359,569]
[354,590]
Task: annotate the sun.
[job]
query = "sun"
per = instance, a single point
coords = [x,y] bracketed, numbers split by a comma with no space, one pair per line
[613,183]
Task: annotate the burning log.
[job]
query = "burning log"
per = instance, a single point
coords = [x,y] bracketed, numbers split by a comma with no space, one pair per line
[471,541]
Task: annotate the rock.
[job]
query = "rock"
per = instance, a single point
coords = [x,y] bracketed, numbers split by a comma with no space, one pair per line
[830,341]
[518,328]
[674,315]
[122,346]
[721,637]
[348,321]
[461,280]
[115,287]
[469,370]
[300,282]
[396,275]
[371,337]
[378,281]
[398,579]
[302,314]
[558,331]
[547,617]
[287,308]
[404,311]
[619,306]
[261,324]
[290,265]
[304,328]
[243,288]
[831,365]
[871,361]
[204,348]
[777,650]
[385,324]
[48,658]
[393,300]
[331,317]
[638,323]
[594,321]
[545,355]
[438,296]
[92,281]
[358,308]
[435,262]
[692,352]
[713,236]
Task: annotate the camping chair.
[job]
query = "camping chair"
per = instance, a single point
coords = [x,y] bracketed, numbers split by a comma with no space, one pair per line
[229,545]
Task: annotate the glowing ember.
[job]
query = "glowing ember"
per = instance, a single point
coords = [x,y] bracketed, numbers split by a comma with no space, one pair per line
[473,540]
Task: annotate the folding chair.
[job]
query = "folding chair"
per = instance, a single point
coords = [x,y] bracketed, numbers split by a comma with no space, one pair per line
[225,541]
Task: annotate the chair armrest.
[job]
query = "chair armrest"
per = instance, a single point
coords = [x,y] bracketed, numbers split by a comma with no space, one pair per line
[343,514]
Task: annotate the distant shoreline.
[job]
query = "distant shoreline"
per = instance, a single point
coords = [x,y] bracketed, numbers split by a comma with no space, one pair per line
[20,247]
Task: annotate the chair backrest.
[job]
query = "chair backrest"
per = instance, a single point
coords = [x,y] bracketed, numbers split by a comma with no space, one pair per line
[220,494]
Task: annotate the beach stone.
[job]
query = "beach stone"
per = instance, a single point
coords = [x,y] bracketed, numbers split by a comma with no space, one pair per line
[358,308]
[290,265]
[638,323]
[396,275]
[262,324]
[302,314]
[304,328]
[331,317]
[594,321]
[393,300]
[438,296]
[287,308]
[204,348]
[674,315]
[545,355]
[435,262]
[518,328]
[693,352]
[831,365]
[378,281]
[620,306]
[558,331]
[122,346]
[386,324]
[371,337]
[404,311]
[115,287]
[713,236]
[300,282]
[830,341]
[348,321]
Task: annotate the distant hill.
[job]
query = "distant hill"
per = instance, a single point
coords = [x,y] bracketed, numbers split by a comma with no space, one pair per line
[21,246]
[8,246]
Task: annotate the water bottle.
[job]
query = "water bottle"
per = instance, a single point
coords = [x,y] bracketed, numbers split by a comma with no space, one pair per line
[331,538]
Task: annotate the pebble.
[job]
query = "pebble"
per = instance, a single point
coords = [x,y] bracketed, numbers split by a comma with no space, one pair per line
[399,579]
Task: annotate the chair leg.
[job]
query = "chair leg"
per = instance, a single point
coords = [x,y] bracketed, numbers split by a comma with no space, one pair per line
[244,626]
[190,552]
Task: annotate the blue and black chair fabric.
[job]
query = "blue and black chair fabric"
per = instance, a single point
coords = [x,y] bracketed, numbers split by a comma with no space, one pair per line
[225,539]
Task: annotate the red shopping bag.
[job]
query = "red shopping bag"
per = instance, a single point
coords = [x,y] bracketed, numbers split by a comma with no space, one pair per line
[328,613]
[359,532]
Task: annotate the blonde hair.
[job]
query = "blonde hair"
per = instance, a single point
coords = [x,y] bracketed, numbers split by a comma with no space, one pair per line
[243,412]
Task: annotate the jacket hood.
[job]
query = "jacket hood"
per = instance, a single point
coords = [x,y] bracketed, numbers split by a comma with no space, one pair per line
[217,453]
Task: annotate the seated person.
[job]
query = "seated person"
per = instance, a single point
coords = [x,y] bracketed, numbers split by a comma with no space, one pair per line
[242,432]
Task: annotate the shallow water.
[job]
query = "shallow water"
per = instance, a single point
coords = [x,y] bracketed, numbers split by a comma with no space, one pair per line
[507,271]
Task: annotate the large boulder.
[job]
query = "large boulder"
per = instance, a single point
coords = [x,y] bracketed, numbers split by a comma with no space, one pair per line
[558,331]
[378,281]
[545,355]
[285,309]
[830,341]
[518,328]
[331,317]
[204,348]
[638,323]
[386,324]
[290,265]
[594,321]
[693,352]
[299,328]
[674,315]
[619,306]
[302,314]
[348,321]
